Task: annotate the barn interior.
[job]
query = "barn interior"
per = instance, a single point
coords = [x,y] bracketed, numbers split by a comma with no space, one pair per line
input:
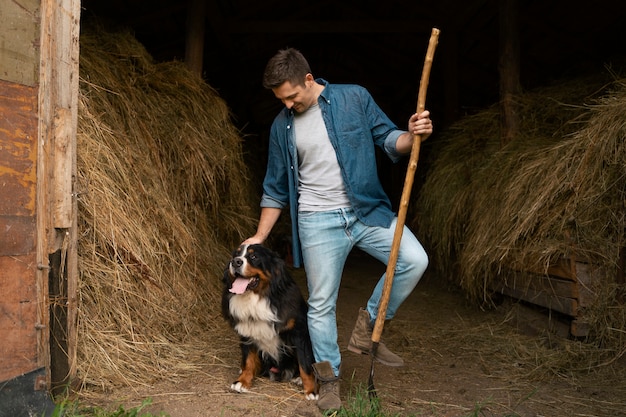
[380,46]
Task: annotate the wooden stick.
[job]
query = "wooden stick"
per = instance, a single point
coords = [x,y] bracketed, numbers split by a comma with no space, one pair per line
[404,204]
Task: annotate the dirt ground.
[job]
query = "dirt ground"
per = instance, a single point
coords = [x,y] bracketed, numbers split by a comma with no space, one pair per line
[460,361]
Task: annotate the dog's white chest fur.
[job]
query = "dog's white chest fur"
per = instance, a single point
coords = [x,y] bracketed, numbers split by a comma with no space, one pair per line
[255,320]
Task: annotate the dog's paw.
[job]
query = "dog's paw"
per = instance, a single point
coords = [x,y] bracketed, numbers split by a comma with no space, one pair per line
[296,381]
[238,387]
[312,396]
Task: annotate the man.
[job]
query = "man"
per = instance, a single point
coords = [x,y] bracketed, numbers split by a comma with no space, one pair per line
[322,164]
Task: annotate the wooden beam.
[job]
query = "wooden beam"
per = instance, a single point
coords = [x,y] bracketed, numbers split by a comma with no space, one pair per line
[541,298]
[194,44]
[509,68]
[56,175]
[62,170]
[550,285]
[588,277]
[563,268]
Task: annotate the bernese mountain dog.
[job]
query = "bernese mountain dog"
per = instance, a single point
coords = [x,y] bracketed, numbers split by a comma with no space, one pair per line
[264,305]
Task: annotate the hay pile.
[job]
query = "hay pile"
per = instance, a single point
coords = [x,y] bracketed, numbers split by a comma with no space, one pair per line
[558,190]
[162,202]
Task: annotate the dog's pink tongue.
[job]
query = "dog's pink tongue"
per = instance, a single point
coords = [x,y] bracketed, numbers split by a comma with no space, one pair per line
[239,285]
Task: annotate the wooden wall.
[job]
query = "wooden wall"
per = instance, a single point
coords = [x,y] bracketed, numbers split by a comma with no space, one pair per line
[39,46]
[20,300]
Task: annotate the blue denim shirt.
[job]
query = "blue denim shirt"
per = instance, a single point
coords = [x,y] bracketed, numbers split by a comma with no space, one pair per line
[355,124]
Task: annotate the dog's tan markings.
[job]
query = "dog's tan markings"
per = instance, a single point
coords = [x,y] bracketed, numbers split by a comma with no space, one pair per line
[264,278]
[252,272]
[250,369]
[308,383]
[291,323]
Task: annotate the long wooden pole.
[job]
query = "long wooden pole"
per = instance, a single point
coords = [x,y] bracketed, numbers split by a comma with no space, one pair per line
[404,204]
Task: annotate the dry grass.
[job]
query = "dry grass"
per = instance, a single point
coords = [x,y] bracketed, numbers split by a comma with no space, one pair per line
[163,197]
[558,190]
[162,202]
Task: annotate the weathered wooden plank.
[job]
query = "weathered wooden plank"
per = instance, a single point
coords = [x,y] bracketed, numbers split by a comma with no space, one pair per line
[571,286]
[20,326]
[18,149]
[564,305]
[18,319]
[579,328]
[550,285]
[19,31]
[562,268]
[59,77]
[62,170]
[567,286]
[17,235]
[588,276]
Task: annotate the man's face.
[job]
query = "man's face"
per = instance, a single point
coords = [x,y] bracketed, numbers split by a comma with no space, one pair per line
[297,97]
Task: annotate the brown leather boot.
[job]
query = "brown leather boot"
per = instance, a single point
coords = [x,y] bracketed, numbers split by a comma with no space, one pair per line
[329,398]
[361,342]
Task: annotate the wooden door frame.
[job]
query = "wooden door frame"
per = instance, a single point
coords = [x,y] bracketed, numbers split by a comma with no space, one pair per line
[56,210]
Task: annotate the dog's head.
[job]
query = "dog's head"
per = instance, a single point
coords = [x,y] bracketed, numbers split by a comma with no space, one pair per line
[251,268]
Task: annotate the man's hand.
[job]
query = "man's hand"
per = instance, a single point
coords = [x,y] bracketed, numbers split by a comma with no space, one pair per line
[420,124]
[253,240]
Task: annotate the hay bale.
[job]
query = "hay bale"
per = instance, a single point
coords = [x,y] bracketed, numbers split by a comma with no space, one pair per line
[162,201]
[558,190]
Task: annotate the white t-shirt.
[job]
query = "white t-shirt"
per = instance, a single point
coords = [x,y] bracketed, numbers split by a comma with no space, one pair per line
[321,185]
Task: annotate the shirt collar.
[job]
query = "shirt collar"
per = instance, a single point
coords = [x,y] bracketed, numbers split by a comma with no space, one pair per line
[325,93]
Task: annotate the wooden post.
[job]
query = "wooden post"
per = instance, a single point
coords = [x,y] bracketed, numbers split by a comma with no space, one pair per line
[62,170]
[56,175]
[194,45]
[509,68]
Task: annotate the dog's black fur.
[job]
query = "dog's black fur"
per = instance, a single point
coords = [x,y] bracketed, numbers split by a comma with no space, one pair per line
[269,313]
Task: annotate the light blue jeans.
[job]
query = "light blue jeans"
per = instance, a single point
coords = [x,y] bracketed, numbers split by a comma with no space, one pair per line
[327,238]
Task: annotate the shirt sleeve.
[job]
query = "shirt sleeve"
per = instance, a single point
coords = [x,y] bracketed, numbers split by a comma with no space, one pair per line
[267,201]
[390,145]
[275,184]
[384,131]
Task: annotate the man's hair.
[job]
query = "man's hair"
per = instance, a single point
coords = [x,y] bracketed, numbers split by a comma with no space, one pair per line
[287,65]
